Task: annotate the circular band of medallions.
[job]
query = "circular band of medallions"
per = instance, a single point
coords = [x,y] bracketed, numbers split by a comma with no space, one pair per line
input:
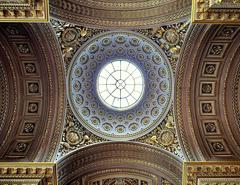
[128,160]
[32,95]
[82,76]
[207,93]
[120,14]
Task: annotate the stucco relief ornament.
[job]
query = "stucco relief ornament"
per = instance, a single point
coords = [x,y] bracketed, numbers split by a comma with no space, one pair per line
[100,96]
[170,38]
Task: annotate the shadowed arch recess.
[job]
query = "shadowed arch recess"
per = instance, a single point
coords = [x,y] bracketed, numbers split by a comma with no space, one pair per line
[32,95]
[119,161]
[207,93]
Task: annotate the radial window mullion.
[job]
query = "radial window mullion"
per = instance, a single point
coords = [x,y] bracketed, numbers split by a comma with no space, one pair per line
[120,83]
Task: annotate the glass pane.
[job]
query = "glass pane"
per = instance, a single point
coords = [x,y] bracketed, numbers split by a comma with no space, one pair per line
[120,85]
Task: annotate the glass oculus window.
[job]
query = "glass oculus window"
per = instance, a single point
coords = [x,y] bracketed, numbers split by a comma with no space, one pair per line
[120,85]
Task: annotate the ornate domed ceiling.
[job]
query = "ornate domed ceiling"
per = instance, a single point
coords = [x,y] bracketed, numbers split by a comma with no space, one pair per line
[86,52]
[121,14]
[145,91]
[86,102]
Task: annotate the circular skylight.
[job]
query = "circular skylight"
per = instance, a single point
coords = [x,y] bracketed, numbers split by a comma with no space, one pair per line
[120,85]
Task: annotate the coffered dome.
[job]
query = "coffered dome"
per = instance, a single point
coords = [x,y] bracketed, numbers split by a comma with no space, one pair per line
[120,85]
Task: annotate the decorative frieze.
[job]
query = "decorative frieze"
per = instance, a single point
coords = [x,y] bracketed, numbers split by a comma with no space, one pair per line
[24,11]
[27,173]
[211,173]
[216,11]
